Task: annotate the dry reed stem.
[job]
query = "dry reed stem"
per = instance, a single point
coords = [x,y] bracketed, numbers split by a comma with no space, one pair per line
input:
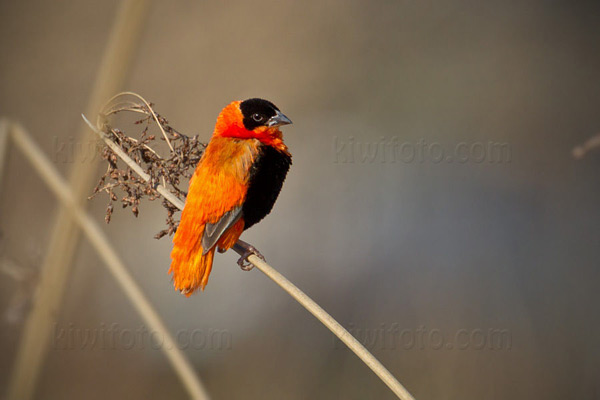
[55,269]
[592,143]
[113,262]
[301,297]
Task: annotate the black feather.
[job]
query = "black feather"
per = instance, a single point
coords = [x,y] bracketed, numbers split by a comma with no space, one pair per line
[266,179]
[256,112]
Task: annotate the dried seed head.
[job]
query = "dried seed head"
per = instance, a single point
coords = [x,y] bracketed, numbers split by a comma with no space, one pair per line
[170,171]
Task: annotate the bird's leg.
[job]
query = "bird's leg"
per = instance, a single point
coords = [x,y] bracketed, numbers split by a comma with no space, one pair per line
[245,250]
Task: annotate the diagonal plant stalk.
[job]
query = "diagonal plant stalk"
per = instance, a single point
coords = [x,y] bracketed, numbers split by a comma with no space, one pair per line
[301,297]
[99,240]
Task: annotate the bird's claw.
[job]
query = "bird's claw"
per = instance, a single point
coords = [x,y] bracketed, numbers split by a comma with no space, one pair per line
[243,261]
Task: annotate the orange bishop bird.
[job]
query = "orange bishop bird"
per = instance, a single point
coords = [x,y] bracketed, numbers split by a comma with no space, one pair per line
[234,186]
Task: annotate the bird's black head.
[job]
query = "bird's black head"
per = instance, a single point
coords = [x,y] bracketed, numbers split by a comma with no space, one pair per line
[259,112]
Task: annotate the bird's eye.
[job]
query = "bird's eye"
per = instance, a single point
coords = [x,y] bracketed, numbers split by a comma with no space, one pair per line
[258,117]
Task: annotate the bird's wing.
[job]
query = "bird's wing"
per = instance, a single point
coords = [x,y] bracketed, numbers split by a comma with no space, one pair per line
[214,231]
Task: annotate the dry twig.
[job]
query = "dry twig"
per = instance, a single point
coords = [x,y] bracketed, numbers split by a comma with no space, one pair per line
[592,143]
[178,166]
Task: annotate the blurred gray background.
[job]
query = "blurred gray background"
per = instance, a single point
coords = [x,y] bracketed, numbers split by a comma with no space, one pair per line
[422,259]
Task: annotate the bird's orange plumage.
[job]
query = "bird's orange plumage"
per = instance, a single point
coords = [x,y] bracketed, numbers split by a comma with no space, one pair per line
[219,184]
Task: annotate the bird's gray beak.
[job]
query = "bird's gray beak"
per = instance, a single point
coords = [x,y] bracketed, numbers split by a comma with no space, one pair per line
[278,120]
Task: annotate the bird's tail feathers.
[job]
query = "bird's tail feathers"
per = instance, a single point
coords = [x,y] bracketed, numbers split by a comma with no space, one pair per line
[190,267]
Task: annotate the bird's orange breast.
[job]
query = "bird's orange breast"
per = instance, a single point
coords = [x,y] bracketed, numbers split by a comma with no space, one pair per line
[220,181]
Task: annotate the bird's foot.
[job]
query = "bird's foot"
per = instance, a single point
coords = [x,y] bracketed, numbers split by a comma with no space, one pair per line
[246,250]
